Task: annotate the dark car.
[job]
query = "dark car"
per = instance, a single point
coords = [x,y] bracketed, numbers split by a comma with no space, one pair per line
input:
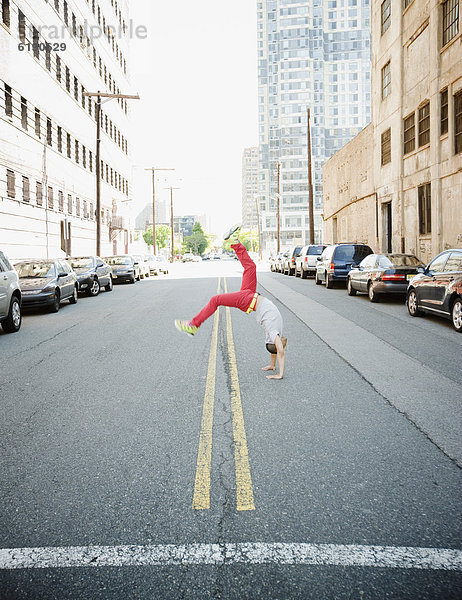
[438,290]
[337,260]
[47,283]
[92,274]
[124,268]
[288,263]
[383,274]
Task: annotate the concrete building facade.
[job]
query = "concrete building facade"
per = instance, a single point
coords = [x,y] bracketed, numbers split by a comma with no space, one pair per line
[249,187]
[398,185]
[311,54]
[48,58]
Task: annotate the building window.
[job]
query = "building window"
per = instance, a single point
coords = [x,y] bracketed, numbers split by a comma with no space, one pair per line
[50,197]
[424,124]
[38,193]
[386,80]
[58,68]
[444,111]
[407,3]
[60,139]
[386,147]
[25,189]
[68,80]
[92,211]
[57,5]
[458,122]
[84,157]
[66,12]
[83,96]
[60,201]
[77,151]
[76,88]
[48,57]
[77,207]
[90,160]
[6,12]
[8,101]
[69,204]
[37,123]
[425,209]
[74,25]
[35,43]
[409,134]
[386,15]
[69,152]
[24,113]
[22,27]
[10,184]
[450,20]
[85,211]
[49,132]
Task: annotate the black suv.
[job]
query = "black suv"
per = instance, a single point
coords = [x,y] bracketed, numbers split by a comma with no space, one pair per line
[337,260]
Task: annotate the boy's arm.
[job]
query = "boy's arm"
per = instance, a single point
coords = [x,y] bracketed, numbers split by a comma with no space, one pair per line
[281,359]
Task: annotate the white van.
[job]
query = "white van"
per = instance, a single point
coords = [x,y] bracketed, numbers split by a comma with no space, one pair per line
[10,296]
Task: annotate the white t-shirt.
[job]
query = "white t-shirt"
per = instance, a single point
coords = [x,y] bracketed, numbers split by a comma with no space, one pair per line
[270,318]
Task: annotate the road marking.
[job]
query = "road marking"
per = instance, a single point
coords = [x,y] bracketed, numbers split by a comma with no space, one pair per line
[244,492]
[391,557]
[201,497]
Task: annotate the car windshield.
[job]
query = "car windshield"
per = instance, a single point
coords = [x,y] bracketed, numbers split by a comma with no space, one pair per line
[83,262]
[35,269]
[159,258]
[119,260]
[399,260]
[315,250]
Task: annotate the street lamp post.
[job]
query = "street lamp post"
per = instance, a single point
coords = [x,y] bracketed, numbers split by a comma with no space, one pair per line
[100,95]
[171,188]
[154,169]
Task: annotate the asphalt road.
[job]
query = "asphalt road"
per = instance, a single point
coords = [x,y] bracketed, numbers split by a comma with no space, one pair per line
[102,409]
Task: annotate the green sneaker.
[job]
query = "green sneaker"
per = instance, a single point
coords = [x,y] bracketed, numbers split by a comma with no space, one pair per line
[233,233]
[186,327]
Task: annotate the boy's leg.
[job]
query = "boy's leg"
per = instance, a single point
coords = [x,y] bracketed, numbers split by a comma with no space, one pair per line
[249,277]
[233,299]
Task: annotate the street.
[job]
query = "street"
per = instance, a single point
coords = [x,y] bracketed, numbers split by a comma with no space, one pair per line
[327,484]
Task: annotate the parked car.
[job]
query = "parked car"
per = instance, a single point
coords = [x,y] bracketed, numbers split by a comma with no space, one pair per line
[92,274]
[145,270]
[153,264]
[196,258]
[305,262]
[280,258]
[337,260]
[288,263]
[124,268]
[162,264]
[383,274]
[187,257]
[10,296]
[438,290]
[206,257]
[46,282]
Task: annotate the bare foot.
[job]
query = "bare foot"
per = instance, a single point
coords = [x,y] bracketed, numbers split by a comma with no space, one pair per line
[274,377]
[268,368]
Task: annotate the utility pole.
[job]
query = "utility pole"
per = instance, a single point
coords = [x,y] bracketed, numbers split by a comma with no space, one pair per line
[171,217]
[278,217]
[154,169]
[259,229]
[310,181]
[108,97]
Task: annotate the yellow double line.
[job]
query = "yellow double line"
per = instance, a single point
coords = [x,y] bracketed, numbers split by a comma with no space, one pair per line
[244,492]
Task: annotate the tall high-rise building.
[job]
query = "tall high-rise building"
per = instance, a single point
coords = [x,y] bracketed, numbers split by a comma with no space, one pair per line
[249,187]
[50,54]
[311,54]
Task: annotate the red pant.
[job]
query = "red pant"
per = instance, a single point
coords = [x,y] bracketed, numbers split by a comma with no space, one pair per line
[241,299]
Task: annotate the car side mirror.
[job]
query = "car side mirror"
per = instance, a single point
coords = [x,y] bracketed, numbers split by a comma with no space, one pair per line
[136,263]
[100,265]
[62,274]
[420,269]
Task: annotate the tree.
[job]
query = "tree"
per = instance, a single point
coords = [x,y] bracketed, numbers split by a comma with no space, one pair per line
[197,242]
[162,235]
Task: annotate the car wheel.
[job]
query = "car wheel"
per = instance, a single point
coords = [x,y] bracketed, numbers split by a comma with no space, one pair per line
[75,296]
[329,282]
[110,286]
[456,314]
[412,305]
[12,323]
[373,296]
[316,279]
[147,274]
[351,291]
[303,273]
[94,289]
[133,279]
[57,299]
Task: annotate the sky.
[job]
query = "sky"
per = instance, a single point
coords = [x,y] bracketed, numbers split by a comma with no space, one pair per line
[196,74]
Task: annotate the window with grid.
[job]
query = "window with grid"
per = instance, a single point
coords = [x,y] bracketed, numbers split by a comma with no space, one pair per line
[24,113]
[76,151]
[50,197]
[425,209]
[69,204]
[409,134]
[35,43]
[90,160]
[450,20]
[69,150]
[386,80]
[58,68]
[49,132]
[84,157]
[444,111]
[407,3]
[38,193]
[68,79]
[60,139]
[77,207]
[48,57]
[6,12]
[25,189]
[424,124]
[10,184]
[458,122]
[386,147]
[60,201]
[386,15]
[22,27]
[37,123]
[8,101]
